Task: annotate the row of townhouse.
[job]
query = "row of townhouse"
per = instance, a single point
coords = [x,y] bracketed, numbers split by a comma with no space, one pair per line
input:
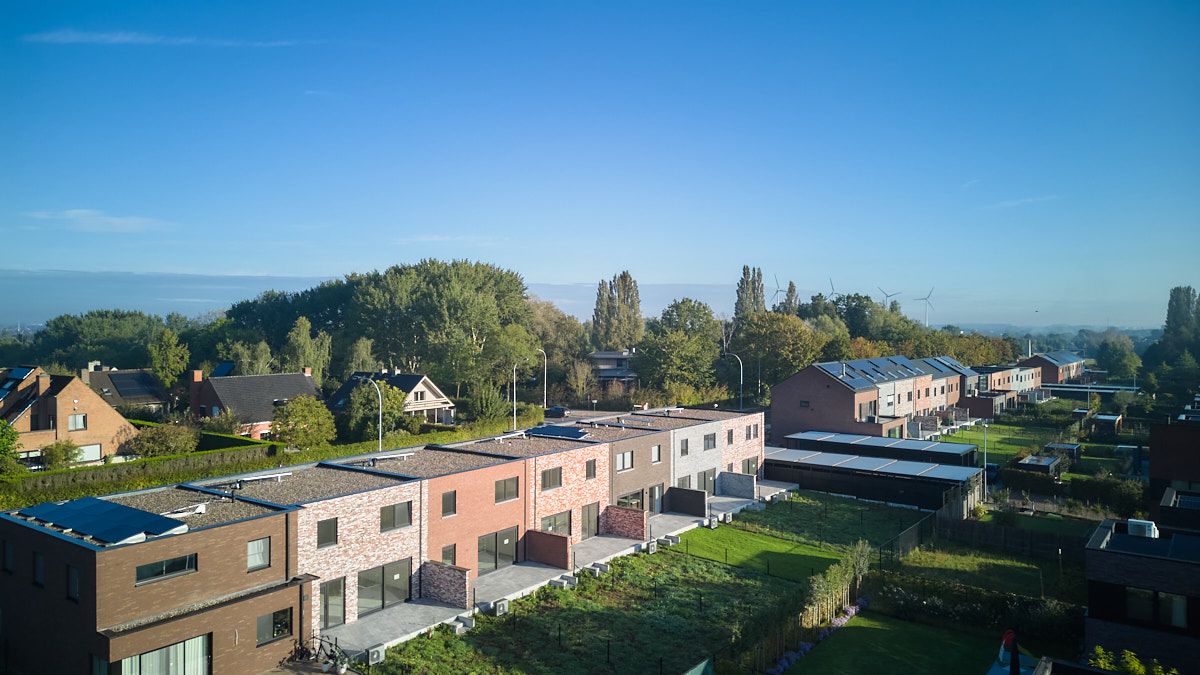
[225,575]
[901,397]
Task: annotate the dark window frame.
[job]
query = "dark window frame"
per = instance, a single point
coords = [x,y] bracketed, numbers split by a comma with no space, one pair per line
[453,506]
[395,511]
[589,469]
[73,583]
[327,543]
[272,624]
[264,565]
[191,565]
[453,554]
[507,489]
[710,441]
[552,478]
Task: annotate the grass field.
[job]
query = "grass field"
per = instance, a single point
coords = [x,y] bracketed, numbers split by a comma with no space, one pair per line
[780,557]
[873,643]
[1050,522]
[820,520]
[1087,467]
[1004,440]
[667,606]
[997,571]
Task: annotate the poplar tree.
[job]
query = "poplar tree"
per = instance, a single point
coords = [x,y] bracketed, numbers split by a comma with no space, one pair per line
[750,295]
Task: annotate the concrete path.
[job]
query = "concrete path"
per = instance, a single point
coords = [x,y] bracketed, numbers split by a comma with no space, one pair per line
[392,625]
[770,488]
[672,523]
[514,581]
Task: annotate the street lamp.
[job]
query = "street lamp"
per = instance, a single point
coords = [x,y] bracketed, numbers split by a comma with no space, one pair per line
[985,466]
[514,396]
[741,372]
[545,369]
[379,393]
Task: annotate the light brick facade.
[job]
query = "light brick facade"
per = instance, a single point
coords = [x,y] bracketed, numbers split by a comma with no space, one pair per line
[577,489]
[741,449]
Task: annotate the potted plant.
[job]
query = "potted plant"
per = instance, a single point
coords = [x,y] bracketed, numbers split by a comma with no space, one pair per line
[342,663]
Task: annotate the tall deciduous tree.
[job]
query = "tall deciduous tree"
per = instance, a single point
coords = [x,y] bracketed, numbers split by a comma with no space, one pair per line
[10,442]
[247,359]
[360,421]
[751,298]
[791,301]
[303,423]
[302,350]
[560,335]
[1116,355]
[779,344]
[581,383]
[617,321]
[168,358]
[360,358]
[680,347]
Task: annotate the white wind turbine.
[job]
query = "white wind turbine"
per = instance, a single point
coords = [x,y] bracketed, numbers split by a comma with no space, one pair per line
[887,296]
[928,304]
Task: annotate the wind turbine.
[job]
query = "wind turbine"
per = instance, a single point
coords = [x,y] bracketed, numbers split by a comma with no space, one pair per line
[887,296]
[777,289]
[928,304]
[832,292]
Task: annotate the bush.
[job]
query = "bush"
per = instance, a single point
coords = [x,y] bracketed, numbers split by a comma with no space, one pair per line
[60,454]
[485,403]
[1031,481]
[1005,516]
[166,439]
[1126,497]
[303,423]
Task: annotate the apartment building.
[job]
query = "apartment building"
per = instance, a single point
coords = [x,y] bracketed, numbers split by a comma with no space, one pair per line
[45,409]
[874,397]
[128,582]
[1057,367]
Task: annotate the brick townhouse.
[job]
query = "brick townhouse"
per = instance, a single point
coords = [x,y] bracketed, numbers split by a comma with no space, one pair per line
[1057,367]
[46,408]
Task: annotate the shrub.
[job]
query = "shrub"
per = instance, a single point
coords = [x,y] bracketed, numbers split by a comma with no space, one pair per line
[303,423]
[166,439]
[1006,516]
[60,454]
[227,422]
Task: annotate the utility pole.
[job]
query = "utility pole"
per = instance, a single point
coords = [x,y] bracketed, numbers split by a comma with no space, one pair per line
[379,393]
[514,396]
[545,370]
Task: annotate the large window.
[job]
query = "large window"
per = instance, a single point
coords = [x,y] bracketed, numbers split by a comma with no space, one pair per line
[258,554]
[710,441]
[184,564]
[655,454]
[1143,605]
[625,461]
[683,447]
[383,586]
[449,503]
[1139,604]
[189,657]
[395,516]
[559,523]
[552,478]
[750,465]
[506,489]
[685,483]
[333,603]
[77,422]
[73,583]
[327,532]
[633,500]
[274,626]
[589,471]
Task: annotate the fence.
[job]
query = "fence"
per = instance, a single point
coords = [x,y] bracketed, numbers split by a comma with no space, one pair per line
[1014,539]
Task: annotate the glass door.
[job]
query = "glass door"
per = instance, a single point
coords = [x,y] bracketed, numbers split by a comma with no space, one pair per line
[487,553]
[333,603]
[656,495]
[506,547]
[396,582]
[591,520]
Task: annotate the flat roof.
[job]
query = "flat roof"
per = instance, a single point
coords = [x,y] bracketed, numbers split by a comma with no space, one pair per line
[425,462]
[1113,535]
[663,422]
[710,414]
[613,433]
[217,510]
[301,484]
[1062,446]
[521,446]
[879,465]
[1039,460]
[850,440]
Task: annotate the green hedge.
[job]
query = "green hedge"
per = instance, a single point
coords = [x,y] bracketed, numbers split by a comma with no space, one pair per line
[1036,483]
[26,489]
[210,440]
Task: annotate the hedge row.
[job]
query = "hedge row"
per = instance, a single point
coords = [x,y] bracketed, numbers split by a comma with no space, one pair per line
[210,440]
[1126,497]
[109,478]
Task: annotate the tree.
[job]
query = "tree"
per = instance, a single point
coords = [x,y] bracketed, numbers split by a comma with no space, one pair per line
[10,443]
[360,358]
[781,344]
[790,303]
[226,422]
[580,381]
[165,439]
[360,421]
[560,335]
[303,423]
[485,402]
[680,347]
[1121,401]
[751,297]
[302,350]
[617,319]
[248,359]
[1115,354]
[60,454]
[837,337]
[168,358]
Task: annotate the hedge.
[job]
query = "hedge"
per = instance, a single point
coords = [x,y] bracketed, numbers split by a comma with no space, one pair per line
[1126,497]
[210,440]
[26,489]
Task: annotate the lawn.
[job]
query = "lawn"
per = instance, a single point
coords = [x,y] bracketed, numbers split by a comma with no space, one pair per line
[1087,467]
[667,606]
[744,548]
[874,643]
[822,520]
[1004,440]
[997,571]
[1050,522]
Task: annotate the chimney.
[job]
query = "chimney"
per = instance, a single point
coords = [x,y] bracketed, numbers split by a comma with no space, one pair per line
[306,371]
[194,392]
[95,365]
[85,375]
[843,369]
[1030,352]
[43,383]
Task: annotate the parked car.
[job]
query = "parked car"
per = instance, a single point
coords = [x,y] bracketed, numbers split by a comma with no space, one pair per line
[557,411]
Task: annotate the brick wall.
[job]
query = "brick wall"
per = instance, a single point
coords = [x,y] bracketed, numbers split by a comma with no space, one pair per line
[548,548]
[698,459]
[623,522]
[737,485]
[478,513]
[741,449]
[576,491]
[105,426]
[360,545]
[446,583]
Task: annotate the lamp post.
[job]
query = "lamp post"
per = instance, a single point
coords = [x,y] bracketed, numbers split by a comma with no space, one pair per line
[378,393]
[741,379]
[545,370]
[985,466]
[514,396]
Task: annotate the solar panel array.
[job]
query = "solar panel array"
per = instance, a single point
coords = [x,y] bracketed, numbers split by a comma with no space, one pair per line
[106,522]
[896,467]
[555,431]
[822,439]
[131,385]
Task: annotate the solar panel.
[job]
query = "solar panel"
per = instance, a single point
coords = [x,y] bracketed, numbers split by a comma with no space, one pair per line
[105,521]
[949,472]
[867,463]
[19,373]
[131,384]
[827,459]
[553,431]
[905,468]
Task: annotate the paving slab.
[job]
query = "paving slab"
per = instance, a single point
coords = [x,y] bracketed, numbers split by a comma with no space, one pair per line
[392,625]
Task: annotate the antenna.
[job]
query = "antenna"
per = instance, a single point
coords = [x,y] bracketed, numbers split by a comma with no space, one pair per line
[928,304]
[887,296]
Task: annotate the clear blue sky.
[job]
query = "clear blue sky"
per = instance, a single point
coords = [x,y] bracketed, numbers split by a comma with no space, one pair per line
[1017,155]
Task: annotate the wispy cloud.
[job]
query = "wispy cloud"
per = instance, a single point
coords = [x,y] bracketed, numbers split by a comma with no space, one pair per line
[92,220]
[969,184]
[465,239]
[1024,201]
[70,36]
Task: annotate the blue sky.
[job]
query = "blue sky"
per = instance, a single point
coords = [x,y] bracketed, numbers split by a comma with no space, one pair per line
[1018,156]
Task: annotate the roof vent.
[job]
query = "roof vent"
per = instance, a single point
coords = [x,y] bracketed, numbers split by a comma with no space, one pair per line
[843,369]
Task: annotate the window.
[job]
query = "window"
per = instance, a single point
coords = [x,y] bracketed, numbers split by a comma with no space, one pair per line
[506,489]
[73,583]
[450,554]
[625,461]
[710,441]
[184,564]
[100,666]
[685,483]
[589,471]
[926,392]
[910,396]
[748,431]
[39,569]
[802,404]
[274,626]
[552,478]
[756,429]
[729,437]
[1139,604]
[683,447]
[1172,610]
[258,554]
[8,556]
[395,516]
[449,503]
[189,657]
[384,586]
[750,466]
[77,422]
[559,523]
[633,500]
[655,454]
[327,532]
[418,396]
[333,603]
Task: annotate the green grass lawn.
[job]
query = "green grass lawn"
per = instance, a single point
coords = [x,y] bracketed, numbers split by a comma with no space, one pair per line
[820,519]
[1004,440]
[1050,522]
[871,644]
[744,548]
[998,571]
[667,606]
[1087,467]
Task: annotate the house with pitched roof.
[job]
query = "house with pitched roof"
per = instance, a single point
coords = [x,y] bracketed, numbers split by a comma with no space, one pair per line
[252,398]
[126,388]
[1057,367]
[46,408]
[422,399]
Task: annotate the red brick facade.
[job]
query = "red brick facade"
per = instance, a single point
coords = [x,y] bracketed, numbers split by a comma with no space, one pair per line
[577,489]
